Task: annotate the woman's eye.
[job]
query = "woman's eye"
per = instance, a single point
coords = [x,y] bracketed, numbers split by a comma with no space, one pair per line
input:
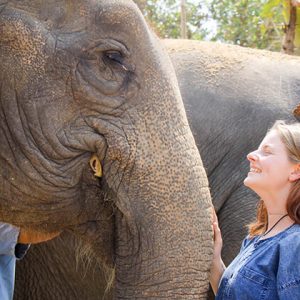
[114,56]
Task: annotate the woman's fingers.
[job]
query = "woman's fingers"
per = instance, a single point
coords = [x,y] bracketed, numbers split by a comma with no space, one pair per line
[218,243]
[215,218]
[217,232]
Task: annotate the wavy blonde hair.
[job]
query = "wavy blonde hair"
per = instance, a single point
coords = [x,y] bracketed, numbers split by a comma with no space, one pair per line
[290,136]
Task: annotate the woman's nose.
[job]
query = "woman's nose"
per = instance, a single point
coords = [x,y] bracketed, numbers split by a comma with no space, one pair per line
[252,156]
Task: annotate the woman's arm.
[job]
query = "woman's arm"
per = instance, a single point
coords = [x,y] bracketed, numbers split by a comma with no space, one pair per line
[217,267]
[8,239]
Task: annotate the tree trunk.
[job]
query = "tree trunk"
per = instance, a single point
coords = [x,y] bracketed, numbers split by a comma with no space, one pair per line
[183,20]
[288,43]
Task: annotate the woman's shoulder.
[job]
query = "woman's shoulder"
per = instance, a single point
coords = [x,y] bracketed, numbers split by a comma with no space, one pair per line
[288,273]
[287,238]
[291,237]
[292,231]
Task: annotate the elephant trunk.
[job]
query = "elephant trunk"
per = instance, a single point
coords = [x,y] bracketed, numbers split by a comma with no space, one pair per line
[163,241]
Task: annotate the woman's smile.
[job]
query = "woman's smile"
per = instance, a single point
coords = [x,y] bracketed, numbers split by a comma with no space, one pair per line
[254,170]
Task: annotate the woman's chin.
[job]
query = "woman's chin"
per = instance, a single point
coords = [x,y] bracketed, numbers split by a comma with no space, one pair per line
[248,182]
[252,184]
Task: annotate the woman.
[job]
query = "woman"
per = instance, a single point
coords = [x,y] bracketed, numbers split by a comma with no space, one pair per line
[268,265]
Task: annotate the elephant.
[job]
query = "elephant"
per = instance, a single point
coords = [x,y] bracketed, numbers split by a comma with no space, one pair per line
[95,141]
[232,95]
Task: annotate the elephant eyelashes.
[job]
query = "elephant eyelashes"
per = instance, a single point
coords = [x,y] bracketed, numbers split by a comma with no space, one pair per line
[114,56]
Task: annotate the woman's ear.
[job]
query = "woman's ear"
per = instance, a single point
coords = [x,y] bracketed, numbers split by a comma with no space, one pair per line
[295,174]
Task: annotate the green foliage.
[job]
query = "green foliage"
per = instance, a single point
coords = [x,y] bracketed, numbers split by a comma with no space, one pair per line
[164,17]
[297,35]
[249,23]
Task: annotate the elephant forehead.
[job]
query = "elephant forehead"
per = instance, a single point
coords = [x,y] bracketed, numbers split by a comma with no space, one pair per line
[106,17]
[12,27]
[67,13]
[118,12]
[22,38]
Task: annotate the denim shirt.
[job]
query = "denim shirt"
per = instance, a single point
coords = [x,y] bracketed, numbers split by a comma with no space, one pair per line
[264,269]
[9,252]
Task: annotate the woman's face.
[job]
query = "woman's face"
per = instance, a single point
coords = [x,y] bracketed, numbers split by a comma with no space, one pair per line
[270,168]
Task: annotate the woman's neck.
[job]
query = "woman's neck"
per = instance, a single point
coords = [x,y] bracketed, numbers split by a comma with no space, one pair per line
[278,222]
[275,202]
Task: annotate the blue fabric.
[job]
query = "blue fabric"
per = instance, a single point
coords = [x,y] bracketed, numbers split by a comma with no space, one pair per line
[264,269]
[8,239]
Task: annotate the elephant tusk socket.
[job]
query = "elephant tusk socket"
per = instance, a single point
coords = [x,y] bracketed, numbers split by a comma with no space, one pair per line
[95,164]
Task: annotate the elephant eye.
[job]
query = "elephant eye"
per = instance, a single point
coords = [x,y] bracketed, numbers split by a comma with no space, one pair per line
[114,56]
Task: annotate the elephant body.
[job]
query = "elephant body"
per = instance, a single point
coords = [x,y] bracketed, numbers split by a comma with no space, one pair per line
[232,95]
[87,83]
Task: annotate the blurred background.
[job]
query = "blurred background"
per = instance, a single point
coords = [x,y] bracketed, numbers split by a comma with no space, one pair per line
[265,24]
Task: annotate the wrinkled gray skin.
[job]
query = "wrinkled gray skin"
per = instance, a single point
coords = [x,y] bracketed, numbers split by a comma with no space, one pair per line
[83,77]
[232,96]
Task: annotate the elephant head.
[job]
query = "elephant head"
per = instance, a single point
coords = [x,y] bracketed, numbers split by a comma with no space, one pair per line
[87,77]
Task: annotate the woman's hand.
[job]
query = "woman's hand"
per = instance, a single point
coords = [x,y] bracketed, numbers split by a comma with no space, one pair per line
[29,236]
[217,267]
[218,242]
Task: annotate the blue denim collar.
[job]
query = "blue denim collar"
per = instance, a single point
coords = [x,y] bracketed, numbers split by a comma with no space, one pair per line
[278,236]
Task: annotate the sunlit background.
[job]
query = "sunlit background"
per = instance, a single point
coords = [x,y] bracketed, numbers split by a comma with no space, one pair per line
[259,24]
